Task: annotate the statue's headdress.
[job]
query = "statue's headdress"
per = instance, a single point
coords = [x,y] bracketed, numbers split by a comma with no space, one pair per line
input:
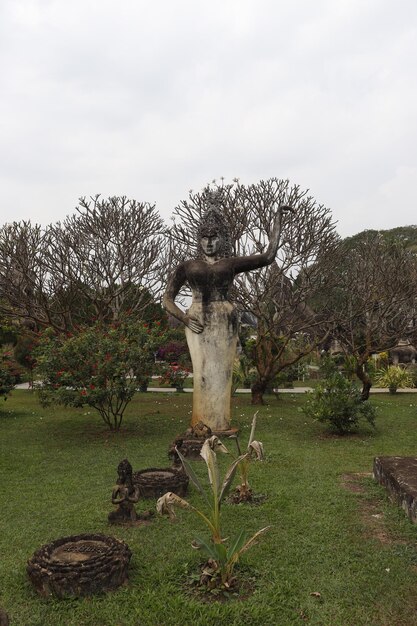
[214,223]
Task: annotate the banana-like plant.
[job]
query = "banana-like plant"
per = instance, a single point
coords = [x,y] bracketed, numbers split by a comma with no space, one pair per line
[254,449]
[222,557]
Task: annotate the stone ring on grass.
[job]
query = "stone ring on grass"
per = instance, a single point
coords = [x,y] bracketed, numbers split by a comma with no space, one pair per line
[79,565]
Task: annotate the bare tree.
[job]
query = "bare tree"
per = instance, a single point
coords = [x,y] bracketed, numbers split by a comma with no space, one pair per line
[23,280]
[278,296]
[371,299]
[98,263]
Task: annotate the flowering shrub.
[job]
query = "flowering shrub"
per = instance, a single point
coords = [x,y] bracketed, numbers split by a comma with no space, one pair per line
[101,366]
[174,375]
[172,351]
[7,376]
[24,353]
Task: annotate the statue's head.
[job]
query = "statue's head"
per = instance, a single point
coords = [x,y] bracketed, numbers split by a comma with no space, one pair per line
[213,231]
[124,470]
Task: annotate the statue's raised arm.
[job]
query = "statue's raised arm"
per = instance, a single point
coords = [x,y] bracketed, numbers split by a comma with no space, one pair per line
[255,261]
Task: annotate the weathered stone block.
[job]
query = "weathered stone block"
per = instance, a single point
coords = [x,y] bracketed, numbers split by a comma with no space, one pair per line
[398,474]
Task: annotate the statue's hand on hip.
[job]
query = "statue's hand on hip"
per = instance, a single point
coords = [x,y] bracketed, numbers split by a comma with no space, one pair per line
[194,324]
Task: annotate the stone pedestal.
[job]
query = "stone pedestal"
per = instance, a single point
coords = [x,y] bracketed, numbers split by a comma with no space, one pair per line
[398,474]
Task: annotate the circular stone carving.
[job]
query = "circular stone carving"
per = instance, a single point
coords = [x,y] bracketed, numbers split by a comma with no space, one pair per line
[191,448]
[79,565]
[154,482]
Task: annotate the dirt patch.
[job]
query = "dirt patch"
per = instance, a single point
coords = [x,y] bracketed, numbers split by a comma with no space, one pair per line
[253,498]
[330,435]
[242,587]
[369,508]
[374,522]
[352,482]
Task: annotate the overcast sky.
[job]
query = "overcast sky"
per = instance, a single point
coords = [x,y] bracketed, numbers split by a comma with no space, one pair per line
[151,99]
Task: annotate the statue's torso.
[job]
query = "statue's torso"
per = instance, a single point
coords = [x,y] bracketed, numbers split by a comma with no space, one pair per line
[209,281]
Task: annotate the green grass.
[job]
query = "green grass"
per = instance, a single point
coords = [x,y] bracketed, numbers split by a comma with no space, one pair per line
[58,468]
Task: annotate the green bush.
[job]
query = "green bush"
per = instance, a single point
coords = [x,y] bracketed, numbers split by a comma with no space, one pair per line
[286,377]
[8,377]
[101,366]
[412,370]
[337,401]
[244,374]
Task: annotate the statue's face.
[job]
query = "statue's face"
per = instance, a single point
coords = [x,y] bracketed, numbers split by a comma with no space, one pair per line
[211,244]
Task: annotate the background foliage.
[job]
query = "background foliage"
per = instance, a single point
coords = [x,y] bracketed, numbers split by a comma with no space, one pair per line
[101,366]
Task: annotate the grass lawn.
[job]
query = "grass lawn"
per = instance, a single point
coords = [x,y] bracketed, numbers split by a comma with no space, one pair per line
[332,533]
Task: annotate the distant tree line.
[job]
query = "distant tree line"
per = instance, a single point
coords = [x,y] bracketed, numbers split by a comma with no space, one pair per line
[110,260]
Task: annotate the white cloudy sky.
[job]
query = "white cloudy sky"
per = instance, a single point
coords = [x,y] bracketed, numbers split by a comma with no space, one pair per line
[151,99]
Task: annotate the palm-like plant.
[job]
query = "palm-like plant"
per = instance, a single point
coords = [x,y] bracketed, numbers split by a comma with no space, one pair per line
[393,377]
[222,557]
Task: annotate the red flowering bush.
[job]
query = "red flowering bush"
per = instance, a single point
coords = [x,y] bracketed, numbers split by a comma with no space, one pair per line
[100,366]
[7,375]
[173,351]
[24,353]
[174,375]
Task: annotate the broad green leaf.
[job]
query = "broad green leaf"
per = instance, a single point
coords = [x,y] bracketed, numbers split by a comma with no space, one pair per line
[221,552]
[237,545]
[205,547]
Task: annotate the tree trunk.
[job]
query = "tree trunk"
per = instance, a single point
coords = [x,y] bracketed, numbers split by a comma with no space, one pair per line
[365,380]
[258,389]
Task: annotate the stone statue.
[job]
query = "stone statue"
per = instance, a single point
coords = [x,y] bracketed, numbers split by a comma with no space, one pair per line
[212,321]
[403,353]
[124,494]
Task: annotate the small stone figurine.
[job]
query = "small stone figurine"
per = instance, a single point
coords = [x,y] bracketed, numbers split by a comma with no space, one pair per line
[200,431]
[124,494]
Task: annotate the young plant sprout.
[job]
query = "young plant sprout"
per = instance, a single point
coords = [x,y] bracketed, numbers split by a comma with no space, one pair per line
[222,554]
